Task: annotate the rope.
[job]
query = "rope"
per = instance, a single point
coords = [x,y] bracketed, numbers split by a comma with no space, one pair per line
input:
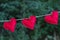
[22,18]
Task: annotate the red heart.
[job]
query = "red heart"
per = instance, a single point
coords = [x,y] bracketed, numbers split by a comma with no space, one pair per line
[29,22]
[10,25]
[52,19]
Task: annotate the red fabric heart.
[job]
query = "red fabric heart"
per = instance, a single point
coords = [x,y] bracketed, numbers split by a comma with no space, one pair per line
[10,25]
[52,19]
[29,22]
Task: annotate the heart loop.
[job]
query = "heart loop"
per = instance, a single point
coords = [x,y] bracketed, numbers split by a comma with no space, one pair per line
[29,22]
[10,25]
[52,19]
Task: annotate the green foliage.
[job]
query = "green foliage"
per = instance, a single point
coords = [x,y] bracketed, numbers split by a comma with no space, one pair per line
[25,8]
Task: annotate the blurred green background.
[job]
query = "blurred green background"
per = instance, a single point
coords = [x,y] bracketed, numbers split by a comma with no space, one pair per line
[25,8]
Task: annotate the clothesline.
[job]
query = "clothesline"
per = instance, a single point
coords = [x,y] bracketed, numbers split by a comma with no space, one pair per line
[22,18]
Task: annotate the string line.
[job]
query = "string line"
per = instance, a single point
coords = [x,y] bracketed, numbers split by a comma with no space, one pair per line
[22,18]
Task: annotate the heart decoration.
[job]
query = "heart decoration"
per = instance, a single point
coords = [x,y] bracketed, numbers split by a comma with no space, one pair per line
[29,22]
[10,25]
[52,19]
